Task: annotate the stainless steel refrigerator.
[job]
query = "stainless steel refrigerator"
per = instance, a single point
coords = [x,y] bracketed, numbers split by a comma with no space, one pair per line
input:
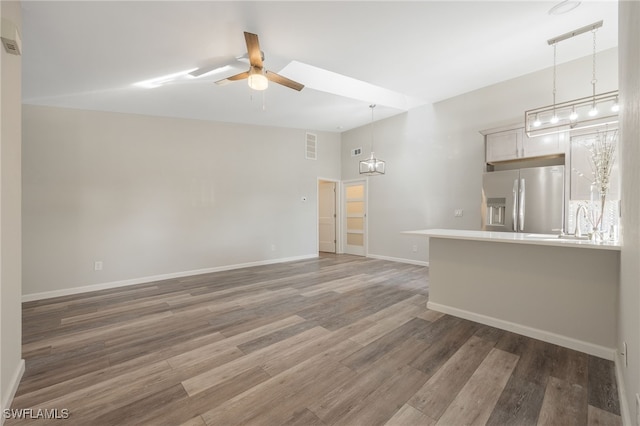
[527,200]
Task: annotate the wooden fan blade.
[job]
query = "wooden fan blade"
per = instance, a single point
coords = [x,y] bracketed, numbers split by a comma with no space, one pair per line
[236,77]
[253,48]
[277,78]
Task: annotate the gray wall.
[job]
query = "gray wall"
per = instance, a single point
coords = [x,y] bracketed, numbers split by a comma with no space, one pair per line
[151,197]
[629,314]
[11,365]
[435,154]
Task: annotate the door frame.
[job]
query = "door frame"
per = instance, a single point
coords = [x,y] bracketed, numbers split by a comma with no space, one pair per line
[338,213]
[343,213]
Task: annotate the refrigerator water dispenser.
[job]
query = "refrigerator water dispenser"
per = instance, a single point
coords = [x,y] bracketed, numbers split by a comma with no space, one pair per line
[496,211]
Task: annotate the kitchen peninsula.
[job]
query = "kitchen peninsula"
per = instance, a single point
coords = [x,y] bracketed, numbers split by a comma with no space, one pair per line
[561,291]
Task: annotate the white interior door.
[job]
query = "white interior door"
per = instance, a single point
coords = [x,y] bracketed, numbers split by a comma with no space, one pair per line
[327,216]
[355,218]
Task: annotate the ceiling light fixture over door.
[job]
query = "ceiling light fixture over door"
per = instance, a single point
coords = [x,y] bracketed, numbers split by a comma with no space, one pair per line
[372,165]
[593,111]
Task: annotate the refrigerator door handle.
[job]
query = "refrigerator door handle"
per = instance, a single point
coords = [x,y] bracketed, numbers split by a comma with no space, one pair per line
[521,205]
[514,214]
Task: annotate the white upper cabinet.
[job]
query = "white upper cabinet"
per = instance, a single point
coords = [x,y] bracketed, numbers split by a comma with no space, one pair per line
[515,145]
[540,146]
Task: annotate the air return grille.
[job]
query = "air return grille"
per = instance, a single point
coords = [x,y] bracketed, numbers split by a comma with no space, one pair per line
[311,147]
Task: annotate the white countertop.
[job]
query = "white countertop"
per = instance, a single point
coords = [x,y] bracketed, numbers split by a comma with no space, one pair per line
[513,237]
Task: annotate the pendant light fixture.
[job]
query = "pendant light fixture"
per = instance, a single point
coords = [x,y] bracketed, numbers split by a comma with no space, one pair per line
[593,111]
[372,165]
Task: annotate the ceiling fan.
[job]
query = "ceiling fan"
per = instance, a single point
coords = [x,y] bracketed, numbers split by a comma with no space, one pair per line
[258,78]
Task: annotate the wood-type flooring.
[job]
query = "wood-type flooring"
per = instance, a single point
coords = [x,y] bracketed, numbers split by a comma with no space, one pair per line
[338,340]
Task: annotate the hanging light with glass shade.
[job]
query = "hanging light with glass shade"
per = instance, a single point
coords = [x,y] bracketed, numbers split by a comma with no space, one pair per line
[372,165]
[593,111]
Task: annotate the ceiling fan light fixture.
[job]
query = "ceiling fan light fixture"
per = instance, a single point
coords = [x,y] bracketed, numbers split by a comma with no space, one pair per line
[257,80]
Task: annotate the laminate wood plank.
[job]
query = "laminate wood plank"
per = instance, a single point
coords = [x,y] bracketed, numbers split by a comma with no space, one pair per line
[196,421]
[519,403]
[276,336]
[599,417]
[83,380]
[97,399]
[490,334]
[477,399]
[378,348]
[199,383]
[444,344]
[386,325]
[275,400]
[181,410]
[129,413]
[602,388]
[564,404]
[332,285]
[331,345]
[343,399]
[442,388]
[536,357]
[379,406]
[409,416]
[430,315]
[303,417]
[570,366]
[91,335]
[396,308]
[155,304]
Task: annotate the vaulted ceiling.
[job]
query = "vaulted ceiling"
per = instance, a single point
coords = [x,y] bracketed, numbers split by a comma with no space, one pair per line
[89,54]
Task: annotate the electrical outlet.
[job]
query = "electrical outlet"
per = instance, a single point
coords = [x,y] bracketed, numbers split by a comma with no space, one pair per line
[458,212]
[97,265]
[625,357]
[414,248]
[273,247]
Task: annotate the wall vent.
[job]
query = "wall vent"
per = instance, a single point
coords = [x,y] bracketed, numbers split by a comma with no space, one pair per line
[11,38]
[356,152]
[311,147]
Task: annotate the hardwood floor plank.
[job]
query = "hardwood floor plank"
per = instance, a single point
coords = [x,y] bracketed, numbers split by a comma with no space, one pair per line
[196,421]
[603,391]
[199,383]
[441,389]
[570,366]
[386,325]
[275,400]
[407,416]
[276,336]
[599,417]
[379,406]
[477,399]
[444,343]
[376,349]
[519,403]
[181,410]
[563,404]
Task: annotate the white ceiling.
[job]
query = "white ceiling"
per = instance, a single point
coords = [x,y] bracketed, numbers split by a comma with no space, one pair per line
[88,54]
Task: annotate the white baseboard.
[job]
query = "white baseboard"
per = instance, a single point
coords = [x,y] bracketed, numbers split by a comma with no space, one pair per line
[545,336]
[13,388]
[625,413]
[399,259]
[144,280]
